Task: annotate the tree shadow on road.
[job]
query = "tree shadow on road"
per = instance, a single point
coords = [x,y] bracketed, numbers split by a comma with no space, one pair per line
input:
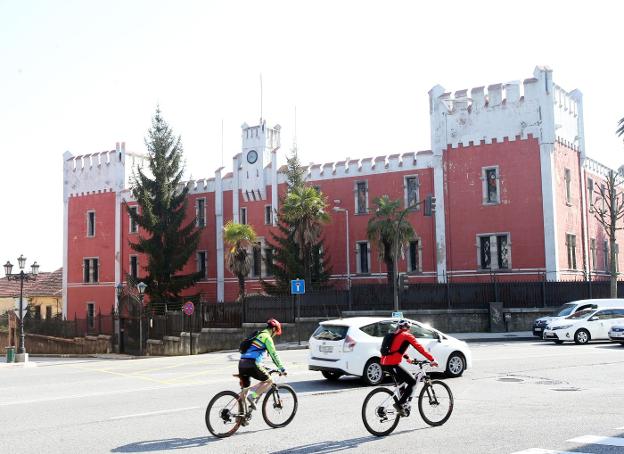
[324,447]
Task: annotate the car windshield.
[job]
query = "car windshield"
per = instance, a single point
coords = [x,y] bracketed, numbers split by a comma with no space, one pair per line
[581,314]
[564,310]
[330,332]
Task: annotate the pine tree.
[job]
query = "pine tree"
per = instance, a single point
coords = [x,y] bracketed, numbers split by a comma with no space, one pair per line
[168,243]
[287,262]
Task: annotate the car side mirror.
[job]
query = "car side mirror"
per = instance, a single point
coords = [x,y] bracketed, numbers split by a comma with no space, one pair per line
[437,336]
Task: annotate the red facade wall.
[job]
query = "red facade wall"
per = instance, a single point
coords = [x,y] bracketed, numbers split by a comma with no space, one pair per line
[101,246]
[519,212]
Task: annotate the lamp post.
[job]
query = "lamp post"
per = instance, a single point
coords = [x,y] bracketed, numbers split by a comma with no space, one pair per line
[22,356]
[141,288]
[118,293]
[344,210]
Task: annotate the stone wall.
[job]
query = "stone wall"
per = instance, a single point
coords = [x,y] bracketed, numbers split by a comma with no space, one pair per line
[38,344]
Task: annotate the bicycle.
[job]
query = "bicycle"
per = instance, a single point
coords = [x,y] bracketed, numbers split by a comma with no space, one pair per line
[232,409]
[380,416]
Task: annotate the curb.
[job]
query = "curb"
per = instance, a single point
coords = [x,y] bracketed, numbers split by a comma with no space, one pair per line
[499,339]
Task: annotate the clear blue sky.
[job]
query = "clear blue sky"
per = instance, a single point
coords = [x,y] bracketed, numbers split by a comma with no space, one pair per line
[81,75]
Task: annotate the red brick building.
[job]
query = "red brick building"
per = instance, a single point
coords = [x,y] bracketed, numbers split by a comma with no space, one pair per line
[507,166]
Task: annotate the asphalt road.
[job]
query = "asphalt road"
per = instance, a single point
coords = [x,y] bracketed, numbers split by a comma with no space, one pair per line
[526,397]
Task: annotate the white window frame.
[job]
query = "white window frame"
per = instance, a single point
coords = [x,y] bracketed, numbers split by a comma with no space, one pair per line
[133,227]
[567,180]
[136,257]
[418,255]
[260,247]
[198,263]
[91,278]
[571,251]
[200,215]
[484,185]
[355,191]
[590,194]
[416,206]
[90,226]
[243,215]
[357,257]
[268,220]
[494,251]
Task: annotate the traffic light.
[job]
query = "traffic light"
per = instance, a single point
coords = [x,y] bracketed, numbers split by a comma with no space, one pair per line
[403,282]
[432,203]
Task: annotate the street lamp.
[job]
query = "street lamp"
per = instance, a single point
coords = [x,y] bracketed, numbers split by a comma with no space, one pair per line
[118,293]
[22,356]
[141,288]
[344,210]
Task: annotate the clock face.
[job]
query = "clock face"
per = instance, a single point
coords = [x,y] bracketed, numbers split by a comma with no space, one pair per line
[252,156]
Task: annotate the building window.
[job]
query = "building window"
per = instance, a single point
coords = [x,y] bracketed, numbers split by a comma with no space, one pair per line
[201,263]
[48,312]
[617,258]
[268,261]
[133,225]
[568,186]
[571,247]
[134,266]
[243,215]
[605,247]
[363,257]
[91,270]
[590,194]
[592,248]
[317,189]
[491,185]
[414,257]
[200,212]
[90,315]
[257,260]
[361,197]
[90,223]
[495,246]
[411,192]
[268,214]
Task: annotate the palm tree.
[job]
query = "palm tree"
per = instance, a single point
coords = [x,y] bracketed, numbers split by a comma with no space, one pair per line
[382,230]
[239,238]
[304,209]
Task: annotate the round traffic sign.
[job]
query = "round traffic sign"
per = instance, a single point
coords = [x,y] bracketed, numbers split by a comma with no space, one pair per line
[188,308]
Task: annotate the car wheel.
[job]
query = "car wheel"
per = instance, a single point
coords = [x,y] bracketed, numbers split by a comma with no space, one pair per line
[581,336]
[373,372]
[455,365]
[558,342]
[331,376]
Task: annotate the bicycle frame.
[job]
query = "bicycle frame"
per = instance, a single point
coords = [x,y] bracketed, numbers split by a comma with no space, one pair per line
[420,376]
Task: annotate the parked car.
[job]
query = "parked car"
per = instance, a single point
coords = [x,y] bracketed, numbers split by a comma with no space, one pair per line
[350,346]
[570,308]
[585,325]
[616,333]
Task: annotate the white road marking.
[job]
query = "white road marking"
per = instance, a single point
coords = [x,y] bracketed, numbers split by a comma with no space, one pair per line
[546,451]
[160,412]
[593,439]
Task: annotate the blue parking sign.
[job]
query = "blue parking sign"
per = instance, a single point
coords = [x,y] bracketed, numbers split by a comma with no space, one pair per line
[297,287]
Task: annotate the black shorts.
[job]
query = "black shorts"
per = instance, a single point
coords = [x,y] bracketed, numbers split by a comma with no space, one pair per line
[249,368]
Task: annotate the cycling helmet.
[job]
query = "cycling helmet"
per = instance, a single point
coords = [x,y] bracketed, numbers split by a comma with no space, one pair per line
[274,324]
[403,324]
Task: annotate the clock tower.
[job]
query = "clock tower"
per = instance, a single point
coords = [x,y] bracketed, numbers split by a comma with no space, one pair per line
[251,165]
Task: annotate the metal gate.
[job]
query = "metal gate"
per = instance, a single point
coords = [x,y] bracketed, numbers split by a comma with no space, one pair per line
[132,329]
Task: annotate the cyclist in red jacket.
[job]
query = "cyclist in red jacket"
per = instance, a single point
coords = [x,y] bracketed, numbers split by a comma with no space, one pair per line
[392,362]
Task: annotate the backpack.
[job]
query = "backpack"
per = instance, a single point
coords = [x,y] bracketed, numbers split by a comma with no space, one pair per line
[386,343]
[246,343]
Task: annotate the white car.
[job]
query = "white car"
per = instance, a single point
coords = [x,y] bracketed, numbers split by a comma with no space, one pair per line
[586,325]
[540,324]
[350,346]
[616,333]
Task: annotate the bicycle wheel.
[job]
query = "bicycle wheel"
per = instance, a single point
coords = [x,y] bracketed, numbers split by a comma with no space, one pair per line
[224,414]
[378,413]
[435,403]
[279,406]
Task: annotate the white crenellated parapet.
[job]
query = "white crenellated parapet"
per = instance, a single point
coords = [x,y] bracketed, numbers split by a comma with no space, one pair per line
[597,168]
[508,111]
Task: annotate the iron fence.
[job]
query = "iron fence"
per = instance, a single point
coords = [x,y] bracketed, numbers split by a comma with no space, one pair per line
[78,327]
